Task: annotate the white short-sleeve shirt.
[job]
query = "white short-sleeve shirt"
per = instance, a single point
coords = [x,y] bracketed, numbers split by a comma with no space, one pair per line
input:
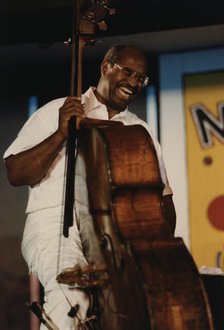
[49,192]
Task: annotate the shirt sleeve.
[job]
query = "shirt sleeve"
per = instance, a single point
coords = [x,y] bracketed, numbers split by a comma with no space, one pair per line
[37,128]
[32,133]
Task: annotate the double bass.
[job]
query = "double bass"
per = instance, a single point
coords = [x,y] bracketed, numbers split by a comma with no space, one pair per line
[154,282]
[148,279]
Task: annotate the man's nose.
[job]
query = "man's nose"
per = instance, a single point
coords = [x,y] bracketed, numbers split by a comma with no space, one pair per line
[133,80]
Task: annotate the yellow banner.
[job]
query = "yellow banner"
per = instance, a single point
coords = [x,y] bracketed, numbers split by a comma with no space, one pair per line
[204,113]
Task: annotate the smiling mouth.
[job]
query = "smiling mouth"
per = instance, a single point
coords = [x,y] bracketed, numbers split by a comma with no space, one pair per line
[126,92]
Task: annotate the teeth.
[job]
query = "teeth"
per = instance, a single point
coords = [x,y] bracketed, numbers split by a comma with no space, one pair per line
[126,90]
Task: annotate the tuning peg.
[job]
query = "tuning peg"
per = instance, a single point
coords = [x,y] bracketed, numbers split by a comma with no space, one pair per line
[112,11]
[68,42]
[102,26]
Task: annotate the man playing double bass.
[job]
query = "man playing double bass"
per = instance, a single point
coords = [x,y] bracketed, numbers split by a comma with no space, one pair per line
[37,158]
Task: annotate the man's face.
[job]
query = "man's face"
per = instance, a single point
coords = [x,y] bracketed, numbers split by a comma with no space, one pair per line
[121,82]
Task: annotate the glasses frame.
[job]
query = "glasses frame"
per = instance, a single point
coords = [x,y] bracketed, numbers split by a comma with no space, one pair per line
[134,74]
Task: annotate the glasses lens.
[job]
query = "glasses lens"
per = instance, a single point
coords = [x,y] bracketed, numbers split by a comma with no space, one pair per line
[140,78]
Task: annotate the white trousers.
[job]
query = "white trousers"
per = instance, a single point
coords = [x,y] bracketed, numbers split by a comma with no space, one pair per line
[47,252]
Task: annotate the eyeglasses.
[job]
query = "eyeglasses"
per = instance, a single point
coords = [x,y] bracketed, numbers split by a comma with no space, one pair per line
[127,72]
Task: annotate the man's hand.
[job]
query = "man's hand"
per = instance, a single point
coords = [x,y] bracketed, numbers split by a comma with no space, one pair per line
[72,107]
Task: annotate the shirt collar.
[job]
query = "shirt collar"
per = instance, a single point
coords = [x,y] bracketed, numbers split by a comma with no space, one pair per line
[90,99]
[94,108]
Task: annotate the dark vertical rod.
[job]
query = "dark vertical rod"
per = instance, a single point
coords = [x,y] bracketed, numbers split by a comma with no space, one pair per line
[72,132]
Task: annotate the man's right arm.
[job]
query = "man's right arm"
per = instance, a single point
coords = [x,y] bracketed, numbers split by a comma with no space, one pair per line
[30,166]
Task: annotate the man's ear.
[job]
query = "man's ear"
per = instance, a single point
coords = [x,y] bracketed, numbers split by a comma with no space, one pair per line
[104,67]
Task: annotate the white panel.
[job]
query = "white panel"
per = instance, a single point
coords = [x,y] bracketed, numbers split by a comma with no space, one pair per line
[151,110]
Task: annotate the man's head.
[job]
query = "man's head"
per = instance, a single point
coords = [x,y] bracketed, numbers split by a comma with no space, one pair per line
[123,75]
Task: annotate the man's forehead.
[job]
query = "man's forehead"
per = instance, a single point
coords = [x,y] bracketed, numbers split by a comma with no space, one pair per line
[130,54]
